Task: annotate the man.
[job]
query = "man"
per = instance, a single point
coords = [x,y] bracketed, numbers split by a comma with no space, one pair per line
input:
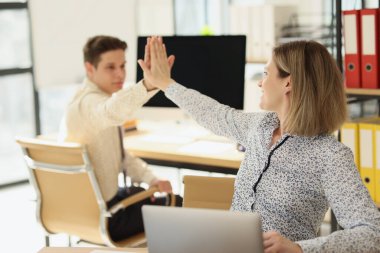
[94,117]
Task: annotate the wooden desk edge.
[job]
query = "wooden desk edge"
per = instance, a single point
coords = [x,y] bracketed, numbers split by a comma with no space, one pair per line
[88,250]
[231,164]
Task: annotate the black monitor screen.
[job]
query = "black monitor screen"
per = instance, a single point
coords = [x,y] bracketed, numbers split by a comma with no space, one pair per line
[213,65]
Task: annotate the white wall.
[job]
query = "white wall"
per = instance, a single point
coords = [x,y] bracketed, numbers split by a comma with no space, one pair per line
[61,28]
[155,17]
[316,6]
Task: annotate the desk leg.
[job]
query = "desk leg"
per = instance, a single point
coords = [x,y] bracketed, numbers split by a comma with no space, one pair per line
[47,241]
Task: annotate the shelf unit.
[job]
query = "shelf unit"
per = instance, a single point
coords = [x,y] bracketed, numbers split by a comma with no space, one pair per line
[363,92]
[362,95]
[356,93]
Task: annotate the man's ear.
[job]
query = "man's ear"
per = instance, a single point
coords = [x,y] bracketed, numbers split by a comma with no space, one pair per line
[89,68]
[288,84]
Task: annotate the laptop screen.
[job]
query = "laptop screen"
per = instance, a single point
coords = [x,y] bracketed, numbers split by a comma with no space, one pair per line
[189,230]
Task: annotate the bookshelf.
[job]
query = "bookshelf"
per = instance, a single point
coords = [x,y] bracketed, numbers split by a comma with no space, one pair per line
[354,93]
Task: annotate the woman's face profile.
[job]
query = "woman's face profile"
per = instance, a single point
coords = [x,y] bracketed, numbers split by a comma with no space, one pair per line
[272,88]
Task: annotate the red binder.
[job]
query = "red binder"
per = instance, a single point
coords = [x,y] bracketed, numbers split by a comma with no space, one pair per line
[352,48]
[369,20]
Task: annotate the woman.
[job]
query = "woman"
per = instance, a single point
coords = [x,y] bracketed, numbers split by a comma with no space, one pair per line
[294,168]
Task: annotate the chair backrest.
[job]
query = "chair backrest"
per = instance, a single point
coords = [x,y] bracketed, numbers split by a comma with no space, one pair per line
[208,192]
[68,195]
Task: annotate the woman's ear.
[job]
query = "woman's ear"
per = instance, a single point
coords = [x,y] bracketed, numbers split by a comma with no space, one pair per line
[288,85]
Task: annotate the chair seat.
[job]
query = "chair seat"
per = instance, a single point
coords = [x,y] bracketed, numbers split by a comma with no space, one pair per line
[135,241]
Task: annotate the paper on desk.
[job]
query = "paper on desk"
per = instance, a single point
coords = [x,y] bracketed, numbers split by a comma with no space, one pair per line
[191,131]
[207,147]
[110,251]
[167,139]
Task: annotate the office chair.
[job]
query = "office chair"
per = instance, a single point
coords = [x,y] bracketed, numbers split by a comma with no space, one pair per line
[213,193]
[208,192]
[68,195]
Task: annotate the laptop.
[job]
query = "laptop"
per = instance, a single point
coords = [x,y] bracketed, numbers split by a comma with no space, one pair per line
[193,230]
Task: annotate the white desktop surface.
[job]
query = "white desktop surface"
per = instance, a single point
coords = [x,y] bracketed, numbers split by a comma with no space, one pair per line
[182,142]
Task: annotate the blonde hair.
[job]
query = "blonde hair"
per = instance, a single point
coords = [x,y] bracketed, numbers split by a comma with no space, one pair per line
[317,98]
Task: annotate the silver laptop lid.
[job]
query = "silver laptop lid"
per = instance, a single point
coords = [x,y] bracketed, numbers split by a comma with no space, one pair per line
[189,230]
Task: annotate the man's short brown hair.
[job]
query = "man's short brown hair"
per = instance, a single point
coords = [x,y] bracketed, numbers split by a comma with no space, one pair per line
[100,44]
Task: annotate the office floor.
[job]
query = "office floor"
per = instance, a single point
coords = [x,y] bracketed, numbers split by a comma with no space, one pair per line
[19,231]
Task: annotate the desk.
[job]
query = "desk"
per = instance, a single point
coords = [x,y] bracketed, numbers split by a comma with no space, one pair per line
[88,250]
[181,146]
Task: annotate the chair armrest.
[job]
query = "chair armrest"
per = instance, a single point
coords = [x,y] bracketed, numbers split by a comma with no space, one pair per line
[136,198]
[132,199]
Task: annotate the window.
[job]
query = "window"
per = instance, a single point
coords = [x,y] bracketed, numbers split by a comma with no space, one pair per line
[17,113]
[17,119]
[15,50]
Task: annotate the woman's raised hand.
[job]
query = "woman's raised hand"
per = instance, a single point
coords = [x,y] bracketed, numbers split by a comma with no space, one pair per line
[157,65]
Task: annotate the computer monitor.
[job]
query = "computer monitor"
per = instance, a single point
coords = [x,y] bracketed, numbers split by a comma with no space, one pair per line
[213,65]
